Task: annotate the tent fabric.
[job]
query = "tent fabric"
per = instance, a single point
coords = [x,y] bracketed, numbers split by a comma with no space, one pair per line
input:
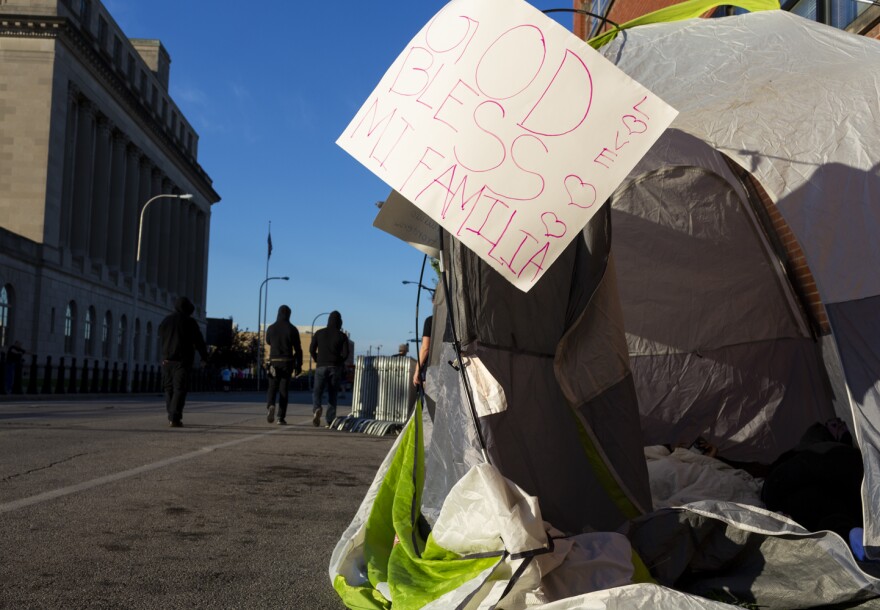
[795,103]
[718,344]
[727,551]
[775,107]
[584,480]
[857,327]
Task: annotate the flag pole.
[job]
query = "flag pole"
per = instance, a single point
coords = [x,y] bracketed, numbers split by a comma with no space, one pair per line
[260,326]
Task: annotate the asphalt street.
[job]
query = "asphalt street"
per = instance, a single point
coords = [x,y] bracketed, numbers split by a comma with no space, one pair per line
[104,506]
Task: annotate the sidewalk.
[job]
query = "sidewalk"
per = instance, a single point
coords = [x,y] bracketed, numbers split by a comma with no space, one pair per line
[302,398]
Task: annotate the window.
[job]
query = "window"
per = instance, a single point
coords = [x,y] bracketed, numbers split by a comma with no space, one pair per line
[154,101]
[85,11]
[69,326]
[105,334]
[102,33]
[117,52]
[120,338]
[52,321]
[88,332]
[143,84]
[4,316]
[148,344]
[130,71]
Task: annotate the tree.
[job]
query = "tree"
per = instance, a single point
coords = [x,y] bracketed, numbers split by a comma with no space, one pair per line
[241,354]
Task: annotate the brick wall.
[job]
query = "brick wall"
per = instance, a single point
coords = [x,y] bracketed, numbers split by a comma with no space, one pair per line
[796,264]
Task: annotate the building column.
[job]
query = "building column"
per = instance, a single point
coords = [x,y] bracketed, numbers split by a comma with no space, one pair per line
[70,139]
[82,186]
[189,236]
[200,282]
[145,168]
[100,191]
[175,260]
[168,208]
[131,209]
[116,217]
[155,231]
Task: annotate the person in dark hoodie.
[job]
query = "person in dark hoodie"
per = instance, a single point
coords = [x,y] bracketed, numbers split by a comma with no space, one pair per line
[329,351]
[285,360]
[181,338]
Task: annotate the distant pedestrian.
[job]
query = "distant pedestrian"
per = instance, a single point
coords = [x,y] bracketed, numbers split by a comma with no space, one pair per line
[403,349]
[226,377]
[14,358]
[424,350]
[181,338]
[329,351]
[285,361]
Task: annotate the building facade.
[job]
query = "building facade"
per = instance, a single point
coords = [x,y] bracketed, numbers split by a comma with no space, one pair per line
[88,136]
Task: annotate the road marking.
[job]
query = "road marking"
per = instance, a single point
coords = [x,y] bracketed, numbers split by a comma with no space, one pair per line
[110,478]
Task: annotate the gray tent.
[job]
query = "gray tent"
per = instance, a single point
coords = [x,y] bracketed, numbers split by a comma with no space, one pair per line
[795,105]
[673,317]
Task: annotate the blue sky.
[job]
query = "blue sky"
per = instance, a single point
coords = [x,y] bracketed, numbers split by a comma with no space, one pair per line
[269,85]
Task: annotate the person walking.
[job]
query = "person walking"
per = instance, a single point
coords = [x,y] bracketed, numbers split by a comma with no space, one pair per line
[329,351]
[285,360]
[181,338]
[14,359]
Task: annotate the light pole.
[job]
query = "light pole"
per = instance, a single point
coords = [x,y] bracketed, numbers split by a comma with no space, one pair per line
[259,327]
[137,279]
[311,362]
[420,285]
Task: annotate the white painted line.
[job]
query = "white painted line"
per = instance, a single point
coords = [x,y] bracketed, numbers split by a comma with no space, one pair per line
[110,478]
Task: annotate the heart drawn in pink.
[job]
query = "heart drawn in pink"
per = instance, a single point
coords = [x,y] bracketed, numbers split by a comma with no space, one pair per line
[634,125]
[580,193]
[558,227]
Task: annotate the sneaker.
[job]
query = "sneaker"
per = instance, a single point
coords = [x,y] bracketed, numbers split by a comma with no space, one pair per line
[327,426]
[270,413]
[316,420]
[281,422]
[176,424]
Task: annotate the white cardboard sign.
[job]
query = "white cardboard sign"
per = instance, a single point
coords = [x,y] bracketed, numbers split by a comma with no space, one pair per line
[506,129]
[405,221]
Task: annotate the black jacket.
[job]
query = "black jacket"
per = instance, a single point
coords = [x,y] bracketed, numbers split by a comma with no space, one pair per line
[180,334]
[283,340]
[329,346]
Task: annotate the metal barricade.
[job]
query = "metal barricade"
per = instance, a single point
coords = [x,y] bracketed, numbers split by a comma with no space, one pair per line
[382,396]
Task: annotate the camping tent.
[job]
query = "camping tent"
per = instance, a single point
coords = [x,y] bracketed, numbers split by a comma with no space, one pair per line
[673,317]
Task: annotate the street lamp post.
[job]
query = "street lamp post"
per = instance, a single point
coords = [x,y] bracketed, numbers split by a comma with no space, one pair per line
[137,278]
[420,285]
[311,362]
[259,327]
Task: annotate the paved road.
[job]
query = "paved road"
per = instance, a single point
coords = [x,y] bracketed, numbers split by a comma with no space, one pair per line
[103,506]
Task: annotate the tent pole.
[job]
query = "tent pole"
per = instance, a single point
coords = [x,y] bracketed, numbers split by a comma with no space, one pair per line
[456,344]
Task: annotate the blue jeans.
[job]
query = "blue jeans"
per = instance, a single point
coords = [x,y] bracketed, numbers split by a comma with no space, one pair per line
[326,377]
[279,384]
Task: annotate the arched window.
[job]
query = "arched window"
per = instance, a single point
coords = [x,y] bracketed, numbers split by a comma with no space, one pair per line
[137,338]
[4,316]
[148,344]
[69,327]
[120,338]
[89,331]
[106,329]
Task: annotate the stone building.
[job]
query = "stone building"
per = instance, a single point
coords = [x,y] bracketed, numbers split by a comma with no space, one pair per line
[88,136]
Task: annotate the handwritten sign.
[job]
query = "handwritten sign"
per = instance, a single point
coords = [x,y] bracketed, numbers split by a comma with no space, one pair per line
[405,221]
[506,129]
